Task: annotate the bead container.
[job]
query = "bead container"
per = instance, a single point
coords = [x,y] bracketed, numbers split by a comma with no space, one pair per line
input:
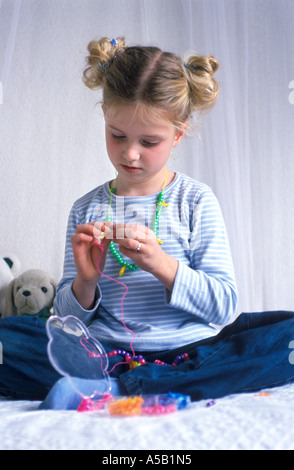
[145,405]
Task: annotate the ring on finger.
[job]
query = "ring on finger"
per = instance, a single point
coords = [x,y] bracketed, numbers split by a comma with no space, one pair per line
[139,248]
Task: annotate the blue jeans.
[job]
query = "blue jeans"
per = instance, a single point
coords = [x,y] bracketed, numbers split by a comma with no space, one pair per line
[25,371]
[250,354]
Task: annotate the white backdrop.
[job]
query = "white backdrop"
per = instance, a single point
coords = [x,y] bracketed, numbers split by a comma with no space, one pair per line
[51,133]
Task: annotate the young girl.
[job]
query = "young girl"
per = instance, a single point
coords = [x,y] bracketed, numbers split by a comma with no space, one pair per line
[162,234]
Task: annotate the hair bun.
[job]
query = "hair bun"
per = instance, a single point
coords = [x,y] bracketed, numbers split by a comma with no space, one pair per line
[203,87]
[101,54]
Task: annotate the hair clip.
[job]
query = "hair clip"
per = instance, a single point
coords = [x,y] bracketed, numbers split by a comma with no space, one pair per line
[106,65]
[194,67]
[103,66]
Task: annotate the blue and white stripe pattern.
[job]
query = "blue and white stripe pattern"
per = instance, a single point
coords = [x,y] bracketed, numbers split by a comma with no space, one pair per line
[192,231]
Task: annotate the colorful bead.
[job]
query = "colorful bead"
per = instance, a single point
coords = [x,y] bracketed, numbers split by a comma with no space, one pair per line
[134,364]
[161,363]
[210,403]
[122,270]
[128,359]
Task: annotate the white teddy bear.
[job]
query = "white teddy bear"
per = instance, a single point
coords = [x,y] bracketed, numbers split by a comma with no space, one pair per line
[31,293]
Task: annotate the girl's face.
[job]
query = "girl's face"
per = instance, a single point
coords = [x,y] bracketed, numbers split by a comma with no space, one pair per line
[139,148]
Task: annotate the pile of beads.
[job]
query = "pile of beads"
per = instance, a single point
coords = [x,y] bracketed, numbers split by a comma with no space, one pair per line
[159,409]
[139,360]
[181,400]
[130,406]
[94,405]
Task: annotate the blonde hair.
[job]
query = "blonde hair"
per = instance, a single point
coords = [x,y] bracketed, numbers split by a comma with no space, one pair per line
[147,75]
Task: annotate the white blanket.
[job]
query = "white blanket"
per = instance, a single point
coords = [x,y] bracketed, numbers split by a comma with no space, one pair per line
[251,421]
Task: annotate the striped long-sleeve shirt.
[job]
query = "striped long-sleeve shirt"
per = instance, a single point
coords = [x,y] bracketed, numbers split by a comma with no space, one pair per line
[192,230]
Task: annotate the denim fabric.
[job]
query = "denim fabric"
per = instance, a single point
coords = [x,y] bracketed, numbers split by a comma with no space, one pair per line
[26,372]
[250,354]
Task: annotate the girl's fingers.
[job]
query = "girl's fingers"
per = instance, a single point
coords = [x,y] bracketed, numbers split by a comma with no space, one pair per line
[100,229]
[123,232]
[81,238]
[88,232]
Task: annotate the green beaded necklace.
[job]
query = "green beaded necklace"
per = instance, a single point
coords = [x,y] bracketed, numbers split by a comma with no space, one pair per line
[160,204]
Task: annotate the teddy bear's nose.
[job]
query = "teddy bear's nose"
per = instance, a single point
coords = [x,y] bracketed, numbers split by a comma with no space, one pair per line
[26,293]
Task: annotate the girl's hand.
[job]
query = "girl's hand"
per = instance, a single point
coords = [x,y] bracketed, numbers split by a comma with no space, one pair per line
[141,245]
[87,249]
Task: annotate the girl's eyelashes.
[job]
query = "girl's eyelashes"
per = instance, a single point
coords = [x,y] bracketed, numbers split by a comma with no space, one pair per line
[145,143]
[118,137]
[149,144]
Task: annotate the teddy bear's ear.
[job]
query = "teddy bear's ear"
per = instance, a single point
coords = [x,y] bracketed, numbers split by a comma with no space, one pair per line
[10,306]
[54,283]
[14,264]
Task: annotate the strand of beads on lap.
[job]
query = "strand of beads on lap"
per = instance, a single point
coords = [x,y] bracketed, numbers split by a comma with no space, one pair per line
[178,360]
[135,361]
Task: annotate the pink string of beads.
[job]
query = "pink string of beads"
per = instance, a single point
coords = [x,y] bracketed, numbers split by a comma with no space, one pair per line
[135,361]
